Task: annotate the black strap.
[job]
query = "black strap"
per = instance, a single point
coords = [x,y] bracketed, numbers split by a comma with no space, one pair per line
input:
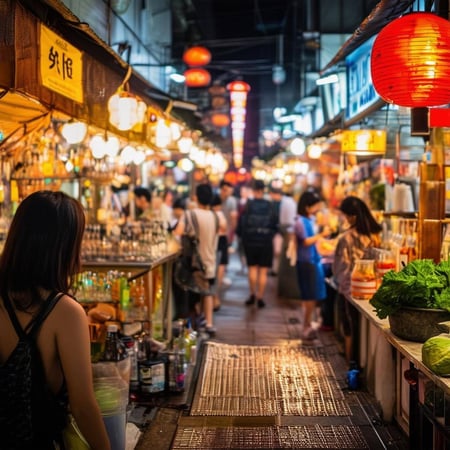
[194,223]
[35,323]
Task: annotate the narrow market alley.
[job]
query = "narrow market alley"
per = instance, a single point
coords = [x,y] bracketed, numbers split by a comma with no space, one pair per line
[257,385]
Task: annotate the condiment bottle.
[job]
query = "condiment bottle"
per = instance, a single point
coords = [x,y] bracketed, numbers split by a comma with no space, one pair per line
[363,280]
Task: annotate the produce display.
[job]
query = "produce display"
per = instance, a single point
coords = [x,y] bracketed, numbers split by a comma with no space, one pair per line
[436,354]
[420,284]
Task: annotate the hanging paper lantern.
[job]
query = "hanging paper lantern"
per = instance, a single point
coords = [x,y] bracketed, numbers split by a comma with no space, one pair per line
[197,56]
[238,99]
[220,120]
[410,61]
[197,78]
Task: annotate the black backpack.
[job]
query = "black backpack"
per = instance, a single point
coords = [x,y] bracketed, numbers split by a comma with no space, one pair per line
[259,221]
[31,417]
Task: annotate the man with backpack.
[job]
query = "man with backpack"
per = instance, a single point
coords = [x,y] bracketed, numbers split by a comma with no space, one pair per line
[206,225]
[257,227]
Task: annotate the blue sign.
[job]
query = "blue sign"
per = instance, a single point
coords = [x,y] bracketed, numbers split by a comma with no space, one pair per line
[360,90]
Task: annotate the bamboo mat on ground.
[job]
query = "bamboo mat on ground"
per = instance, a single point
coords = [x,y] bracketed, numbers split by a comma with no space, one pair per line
[267,381]
[294,437]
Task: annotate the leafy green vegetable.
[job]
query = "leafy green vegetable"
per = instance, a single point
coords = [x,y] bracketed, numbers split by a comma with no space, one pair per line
[420,284]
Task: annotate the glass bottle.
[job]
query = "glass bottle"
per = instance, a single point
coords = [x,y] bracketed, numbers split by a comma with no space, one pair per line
[114,348]
[363,279]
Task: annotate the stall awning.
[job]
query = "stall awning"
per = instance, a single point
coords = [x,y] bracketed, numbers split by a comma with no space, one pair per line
[381,15]
[21,79]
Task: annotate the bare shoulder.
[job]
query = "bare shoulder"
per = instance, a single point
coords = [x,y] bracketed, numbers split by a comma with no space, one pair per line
[68,307]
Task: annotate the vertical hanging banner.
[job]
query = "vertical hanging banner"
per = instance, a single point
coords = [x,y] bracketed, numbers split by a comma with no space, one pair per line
[61,65]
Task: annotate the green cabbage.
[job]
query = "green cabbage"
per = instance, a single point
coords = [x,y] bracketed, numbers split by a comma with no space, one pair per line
[436,354]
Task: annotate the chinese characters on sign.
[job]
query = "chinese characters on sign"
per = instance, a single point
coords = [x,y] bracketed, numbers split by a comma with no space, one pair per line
[61,65]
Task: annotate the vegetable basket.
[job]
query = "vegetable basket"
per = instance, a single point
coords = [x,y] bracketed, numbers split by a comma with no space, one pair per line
[417,324]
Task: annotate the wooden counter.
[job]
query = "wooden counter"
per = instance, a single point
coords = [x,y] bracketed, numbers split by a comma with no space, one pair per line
[410,350]
[385,359]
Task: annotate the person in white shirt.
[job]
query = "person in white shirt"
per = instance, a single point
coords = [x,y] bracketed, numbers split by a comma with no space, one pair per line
[210,225]
[287,275]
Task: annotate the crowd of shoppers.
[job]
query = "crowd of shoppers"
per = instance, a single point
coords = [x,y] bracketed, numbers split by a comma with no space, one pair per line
[258,222]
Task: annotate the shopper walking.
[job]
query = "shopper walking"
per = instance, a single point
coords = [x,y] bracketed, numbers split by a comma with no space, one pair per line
[357,242]
[209,227]
[310,275]
[257,226]
[222,252]
[287,273]
[40,258]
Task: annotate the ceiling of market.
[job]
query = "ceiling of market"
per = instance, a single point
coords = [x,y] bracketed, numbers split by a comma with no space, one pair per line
[247,38]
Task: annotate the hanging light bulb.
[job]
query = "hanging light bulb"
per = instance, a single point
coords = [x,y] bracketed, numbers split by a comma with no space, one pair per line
[98,147]
[126,110]
[74,132]
[314,151]
[139,157]
[297,146]
[112,145]
[128,154]
[185,164]
[163,134]
[184,144]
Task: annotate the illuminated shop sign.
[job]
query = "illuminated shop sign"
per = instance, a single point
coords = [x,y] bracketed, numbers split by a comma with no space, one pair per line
[360,90]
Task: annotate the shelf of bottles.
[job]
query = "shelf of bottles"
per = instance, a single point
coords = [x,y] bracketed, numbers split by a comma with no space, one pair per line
[143,242]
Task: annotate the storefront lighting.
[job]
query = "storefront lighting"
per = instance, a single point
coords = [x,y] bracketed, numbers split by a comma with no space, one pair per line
[297,146]
[198,155]
[410,62]
[102,145]
[238,100]
[184,144]
[139,157]
[363,142]
[126,110]
[185,164]
[314,151]
[98,146]
[163,134]
[177,78]
[128,154]
[330,79]
[175,131]
[112,146]
[74,132]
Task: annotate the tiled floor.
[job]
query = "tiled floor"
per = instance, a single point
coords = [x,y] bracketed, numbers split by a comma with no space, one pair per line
[279,325]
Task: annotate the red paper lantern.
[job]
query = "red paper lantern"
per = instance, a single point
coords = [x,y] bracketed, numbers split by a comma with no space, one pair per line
[220,120]
[197,56]
[410,61]
[238,86]
[197,78]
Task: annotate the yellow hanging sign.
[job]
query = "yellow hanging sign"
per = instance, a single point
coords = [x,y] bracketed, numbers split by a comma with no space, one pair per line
[61,65]
[363,142]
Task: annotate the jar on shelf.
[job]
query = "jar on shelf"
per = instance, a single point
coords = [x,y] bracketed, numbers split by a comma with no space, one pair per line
[363,279]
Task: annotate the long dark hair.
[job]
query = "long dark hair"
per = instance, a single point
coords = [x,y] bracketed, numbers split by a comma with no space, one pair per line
[43,247]
[307,199]
[365,223]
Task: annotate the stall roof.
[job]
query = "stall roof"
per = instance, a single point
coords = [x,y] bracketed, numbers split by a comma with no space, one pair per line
[104,71]
[381,15]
